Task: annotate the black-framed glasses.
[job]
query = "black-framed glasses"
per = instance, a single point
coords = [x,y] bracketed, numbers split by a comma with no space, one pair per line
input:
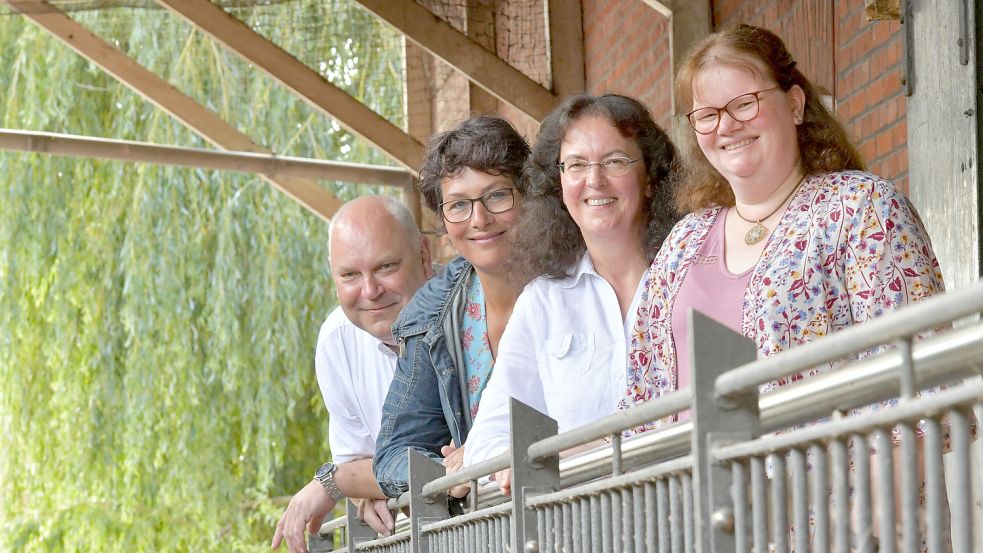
[612,167]
[742,108]
[461,209]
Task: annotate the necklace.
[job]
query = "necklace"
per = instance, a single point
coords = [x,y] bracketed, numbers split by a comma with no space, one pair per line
[759,231]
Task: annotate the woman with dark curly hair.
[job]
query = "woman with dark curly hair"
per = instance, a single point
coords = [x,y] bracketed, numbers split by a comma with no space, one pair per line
[788,239]
[596,210]
[449,333]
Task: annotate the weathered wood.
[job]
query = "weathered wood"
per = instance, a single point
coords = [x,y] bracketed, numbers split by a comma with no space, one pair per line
[690,21]
[565,33]
[482,67]
[302,80]
[419,113]
[245,162]
[943,138]
[159,92]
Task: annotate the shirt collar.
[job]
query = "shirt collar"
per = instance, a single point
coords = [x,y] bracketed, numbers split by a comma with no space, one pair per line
[584,267]
[384,348]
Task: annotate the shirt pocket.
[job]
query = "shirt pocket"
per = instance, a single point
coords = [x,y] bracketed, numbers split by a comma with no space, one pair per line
[568,356]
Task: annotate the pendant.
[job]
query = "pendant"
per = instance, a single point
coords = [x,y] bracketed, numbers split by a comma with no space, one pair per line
[756,234]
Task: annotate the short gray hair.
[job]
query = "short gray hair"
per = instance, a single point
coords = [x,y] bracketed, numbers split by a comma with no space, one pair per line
[399,212]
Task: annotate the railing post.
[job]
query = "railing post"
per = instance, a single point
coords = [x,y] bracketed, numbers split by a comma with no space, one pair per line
[423,509]
[715,349]
[317,543]
[529,426]
[357,531]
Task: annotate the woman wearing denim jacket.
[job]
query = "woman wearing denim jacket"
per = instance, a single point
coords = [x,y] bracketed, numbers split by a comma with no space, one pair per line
[449,332]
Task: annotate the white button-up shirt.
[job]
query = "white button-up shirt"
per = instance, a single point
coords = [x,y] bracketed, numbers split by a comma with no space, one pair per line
[354,370]
[563,353]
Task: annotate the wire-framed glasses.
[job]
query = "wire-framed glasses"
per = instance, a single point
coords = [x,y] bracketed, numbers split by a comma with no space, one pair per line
[461,209]
[742,108]
[612,167]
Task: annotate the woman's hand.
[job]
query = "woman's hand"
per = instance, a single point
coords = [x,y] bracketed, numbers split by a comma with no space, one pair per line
[504,480]
[453,461]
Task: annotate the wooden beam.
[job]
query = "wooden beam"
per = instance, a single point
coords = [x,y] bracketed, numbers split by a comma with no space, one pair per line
[159,92]
[690,21]
[244,162]
[484,68]
[565,36]
[302,80]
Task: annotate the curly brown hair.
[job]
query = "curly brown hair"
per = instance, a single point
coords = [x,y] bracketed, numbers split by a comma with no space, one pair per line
[548,241]
[481,143]
[824,144]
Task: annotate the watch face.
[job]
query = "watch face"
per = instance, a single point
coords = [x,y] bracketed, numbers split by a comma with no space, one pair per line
[326,469]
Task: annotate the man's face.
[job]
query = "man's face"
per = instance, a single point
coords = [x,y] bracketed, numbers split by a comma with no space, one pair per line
[376,271]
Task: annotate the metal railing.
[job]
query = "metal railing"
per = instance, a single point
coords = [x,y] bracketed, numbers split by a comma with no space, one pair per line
[830,463]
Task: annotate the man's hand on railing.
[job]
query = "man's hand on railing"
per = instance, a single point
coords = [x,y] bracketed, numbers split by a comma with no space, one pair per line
[453,461]
[376,514]
[306,509]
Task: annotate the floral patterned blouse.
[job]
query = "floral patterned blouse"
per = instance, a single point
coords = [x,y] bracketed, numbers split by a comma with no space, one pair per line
[474,341]
[849,248]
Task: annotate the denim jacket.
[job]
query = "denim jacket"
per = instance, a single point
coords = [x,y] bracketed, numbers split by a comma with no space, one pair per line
[426,406]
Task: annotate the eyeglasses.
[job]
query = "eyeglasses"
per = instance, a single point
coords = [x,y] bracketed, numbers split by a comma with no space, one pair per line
[743,108]
[460,210]
[612,167]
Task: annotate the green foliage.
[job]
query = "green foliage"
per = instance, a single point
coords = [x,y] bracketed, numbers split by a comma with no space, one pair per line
[157,325]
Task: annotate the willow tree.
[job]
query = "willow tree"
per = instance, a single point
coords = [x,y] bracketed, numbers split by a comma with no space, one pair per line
[157,325]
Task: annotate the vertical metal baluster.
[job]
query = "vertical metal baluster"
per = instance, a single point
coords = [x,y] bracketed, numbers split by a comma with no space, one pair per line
[779,503]
[617,520]
[934,486]
[959,503]
[887,540]
[496,534]
[800,500]
[616,454]
[507,532]
[738,495]
[689,539]
[561,530]
[541,528]
[651,517]
[662,507]
[586,524]
[675,515]
[759,506]
[595,516]
[819,475]
[864,530]
[606,523]
[909,490]
[568,535]
[841,497]
[627,521]
[576,527]
[550,529]
[640,515]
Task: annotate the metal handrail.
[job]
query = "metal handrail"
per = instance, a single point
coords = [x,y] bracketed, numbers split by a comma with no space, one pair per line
[910,410]
[669,404]
[903,323]
[942,358]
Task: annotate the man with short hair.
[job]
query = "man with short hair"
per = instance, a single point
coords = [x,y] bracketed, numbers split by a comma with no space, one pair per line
[378,259]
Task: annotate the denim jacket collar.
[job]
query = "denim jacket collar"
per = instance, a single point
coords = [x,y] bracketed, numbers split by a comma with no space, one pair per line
[425,314]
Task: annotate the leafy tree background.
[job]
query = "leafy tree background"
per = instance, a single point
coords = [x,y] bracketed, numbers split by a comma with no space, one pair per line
[157,325]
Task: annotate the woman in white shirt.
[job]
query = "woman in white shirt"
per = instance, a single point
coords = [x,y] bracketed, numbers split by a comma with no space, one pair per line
[596,210]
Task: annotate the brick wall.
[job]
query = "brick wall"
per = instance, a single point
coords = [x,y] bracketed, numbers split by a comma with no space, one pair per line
[626,51]
[859,64]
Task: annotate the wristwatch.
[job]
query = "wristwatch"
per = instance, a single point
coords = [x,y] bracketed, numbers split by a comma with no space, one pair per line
[325,475]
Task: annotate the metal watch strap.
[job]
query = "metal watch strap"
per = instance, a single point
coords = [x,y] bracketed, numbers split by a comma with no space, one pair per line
[327,481]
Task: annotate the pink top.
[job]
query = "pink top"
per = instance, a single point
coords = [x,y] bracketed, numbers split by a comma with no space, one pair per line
[710,289]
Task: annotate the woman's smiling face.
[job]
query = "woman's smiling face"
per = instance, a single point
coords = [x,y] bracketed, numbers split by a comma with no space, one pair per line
[760,150]
[603,206]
